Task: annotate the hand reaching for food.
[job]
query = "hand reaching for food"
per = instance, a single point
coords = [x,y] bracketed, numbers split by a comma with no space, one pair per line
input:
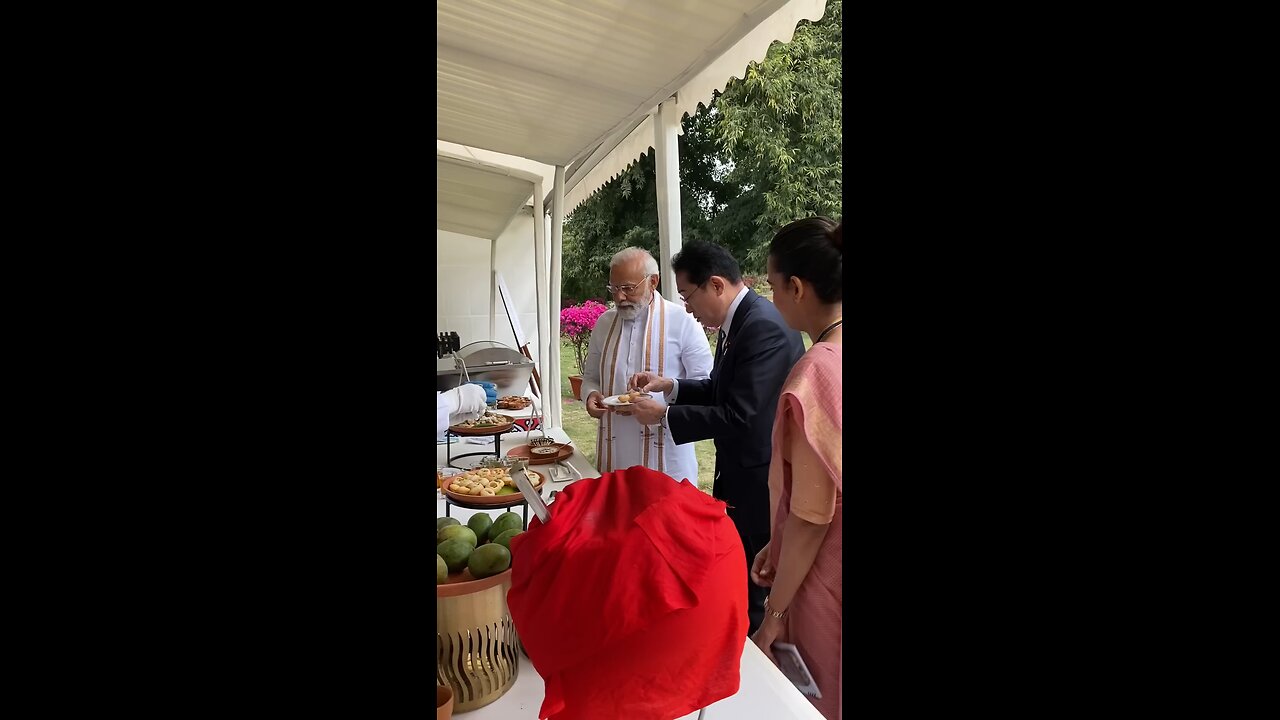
[466,402]
[650,382]
[490,390]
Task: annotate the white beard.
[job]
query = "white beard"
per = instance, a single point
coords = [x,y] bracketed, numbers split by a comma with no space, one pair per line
[628,312]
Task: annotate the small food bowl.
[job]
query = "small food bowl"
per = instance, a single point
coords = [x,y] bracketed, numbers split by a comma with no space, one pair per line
[444,473]
[444,703]
[544,450]
[494,462]
[542,442]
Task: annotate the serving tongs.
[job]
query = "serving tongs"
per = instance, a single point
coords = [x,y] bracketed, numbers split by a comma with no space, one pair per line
[524,483]
[541,414]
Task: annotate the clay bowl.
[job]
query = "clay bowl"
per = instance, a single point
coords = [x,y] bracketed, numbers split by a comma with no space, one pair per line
[444,703]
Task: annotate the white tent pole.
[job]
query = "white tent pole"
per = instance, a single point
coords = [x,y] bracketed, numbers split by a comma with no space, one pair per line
[493,289]
[557,234]
[540,283]
[667,154]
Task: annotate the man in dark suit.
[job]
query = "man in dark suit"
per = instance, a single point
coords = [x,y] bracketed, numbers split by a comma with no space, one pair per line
[755,351]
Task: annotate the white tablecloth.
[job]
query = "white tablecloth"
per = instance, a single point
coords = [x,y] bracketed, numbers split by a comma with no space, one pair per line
[764,693]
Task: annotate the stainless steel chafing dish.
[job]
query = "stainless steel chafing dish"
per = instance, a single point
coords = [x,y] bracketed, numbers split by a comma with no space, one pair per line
[488,361]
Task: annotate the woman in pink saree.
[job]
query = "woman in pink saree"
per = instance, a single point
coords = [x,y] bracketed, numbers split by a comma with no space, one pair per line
[802,564]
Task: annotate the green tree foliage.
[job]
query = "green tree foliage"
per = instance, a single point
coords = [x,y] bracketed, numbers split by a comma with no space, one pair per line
[767,151]
[624,212]
[780,128]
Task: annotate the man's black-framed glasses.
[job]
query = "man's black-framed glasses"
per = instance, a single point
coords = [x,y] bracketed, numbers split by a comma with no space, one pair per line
[685,298]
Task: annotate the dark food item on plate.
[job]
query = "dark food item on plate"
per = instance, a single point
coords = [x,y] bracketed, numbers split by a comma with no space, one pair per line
[513,402]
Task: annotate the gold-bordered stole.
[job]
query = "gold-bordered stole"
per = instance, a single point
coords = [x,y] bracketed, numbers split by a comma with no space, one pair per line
[604,446]
[648,365]
[662,357]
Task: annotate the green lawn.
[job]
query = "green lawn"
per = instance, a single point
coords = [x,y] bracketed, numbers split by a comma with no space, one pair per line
[581,427]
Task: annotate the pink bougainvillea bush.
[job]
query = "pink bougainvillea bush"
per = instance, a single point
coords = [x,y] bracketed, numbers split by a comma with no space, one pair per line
[576,324]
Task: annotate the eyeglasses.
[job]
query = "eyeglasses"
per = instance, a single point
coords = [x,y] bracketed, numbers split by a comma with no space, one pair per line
[685,298]
[630,290]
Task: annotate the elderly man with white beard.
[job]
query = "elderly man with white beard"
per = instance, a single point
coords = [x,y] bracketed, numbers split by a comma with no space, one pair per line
[644,333]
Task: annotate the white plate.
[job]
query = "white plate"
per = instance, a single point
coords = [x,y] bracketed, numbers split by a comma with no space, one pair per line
[612,401]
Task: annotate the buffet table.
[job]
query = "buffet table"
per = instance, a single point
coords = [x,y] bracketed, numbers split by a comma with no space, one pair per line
[558,476]
[764,692]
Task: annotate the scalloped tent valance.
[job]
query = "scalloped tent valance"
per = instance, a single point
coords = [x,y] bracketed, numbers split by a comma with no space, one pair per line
[577,81]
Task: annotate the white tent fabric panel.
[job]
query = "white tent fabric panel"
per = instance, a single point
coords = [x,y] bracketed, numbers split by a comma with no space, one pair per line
[701,88]
[488,158]
[550,80]
[780,27]
[474,201]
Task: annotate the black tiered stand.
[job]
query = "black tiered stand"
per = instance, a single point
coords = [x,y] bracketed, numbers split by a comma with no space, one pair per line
[448,450]
[448,501]
[497,452]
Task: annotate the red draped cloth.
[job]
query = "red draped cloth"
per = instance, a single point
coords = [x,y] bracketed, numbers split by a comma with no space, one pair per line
[629,601]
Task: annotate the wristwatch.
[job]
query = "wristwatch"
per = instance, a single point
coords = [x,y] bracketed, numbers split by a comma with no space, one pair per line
[777,615]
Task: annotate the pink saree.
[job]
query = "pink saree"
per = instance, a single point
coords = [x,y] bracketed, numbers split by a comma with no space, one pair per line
[811,399]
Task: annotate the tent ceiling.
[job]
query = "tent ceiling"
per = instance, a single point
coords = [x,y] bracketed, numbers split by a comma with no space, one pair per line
[550,80]
[527,84]
[472,200]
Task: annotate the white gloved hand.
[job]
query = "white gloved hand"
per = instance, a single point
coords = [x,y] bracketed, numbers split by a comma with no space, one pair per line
[465,402]
[471,401]
[445,403]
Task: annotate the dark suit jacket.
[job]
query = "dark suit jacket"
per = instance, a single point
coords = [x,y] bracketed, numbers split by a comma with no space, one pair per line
[736,408]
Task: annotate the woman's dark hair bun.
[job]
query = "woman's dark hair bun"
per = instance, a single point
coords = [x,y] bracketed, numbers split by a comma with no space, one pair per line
[812,249]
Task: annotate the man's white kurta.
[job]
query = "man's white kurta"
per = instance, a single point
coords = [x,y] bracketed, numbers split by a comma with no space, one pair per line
[663,339]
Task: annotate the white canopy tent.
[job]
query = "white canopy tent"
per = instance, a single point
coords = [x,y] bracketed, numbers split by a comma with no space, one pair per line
[585,87]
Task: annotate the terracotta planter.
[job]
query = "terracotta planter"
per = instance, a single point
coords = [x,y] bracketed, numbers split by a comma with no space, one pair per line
[444,703]
[575,382]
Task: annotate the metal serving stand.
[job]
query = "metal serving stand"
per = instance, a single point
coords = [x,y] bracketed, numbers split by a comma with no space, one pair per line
[486,360]
[448,448]
[489,361]
[482,353]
